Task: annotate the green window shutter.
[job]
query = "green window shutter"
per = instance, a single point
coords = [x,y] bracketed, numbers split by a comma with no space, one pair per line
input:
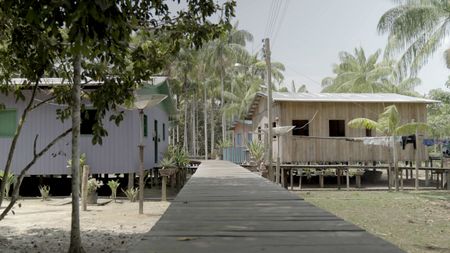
[145,125]
[8,122]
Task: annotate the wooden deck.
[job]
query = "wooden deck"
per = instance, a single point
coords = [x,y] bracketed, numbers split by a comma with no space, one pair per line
[226,208]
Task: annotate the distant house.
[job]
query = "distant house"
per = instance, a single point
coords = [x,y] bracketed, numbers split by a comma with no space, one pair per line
[242,132]
[119,152]
[321,133]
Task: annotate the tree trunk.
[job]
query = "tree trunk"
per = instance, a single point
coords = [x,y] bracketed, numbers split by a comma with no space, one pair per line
[212,127]
[205,115]
[75,234]
[222,103]
[196,131]
[185,144]
[394,152]
[193,126]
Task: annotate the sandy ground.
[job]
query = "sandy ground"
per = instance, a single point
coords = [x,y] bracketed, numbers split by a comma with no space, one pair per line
[40,227]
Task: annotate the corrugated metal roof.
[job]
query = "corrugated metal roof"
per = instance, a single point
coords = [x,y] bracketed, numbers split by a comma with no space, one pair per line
[347,97]
[338,98]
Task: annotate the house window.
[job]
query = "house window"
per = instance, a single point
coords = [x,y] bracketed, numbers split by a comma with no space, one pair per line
[368,132]
[87,121]
[164,131]
[337,128]
[145,125]
[274,124]
[301,127]
[249,137]
[8,122]
[259,133]
[239,140]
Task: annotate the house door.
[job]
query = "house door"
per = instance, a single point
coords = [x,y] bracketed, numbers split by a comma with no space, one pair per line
[156,140]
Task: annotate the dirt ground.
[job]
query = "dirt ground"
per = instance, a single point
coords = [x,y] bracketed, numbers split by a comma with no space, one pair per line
[41,227]
[415,221]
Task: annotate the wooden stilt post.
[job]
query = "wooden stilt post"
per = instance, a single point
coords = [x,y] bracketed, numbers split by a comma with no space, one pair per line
[164,189]
[130,181]
[300,178]
[401,178]
[84,188]
[347,178]
[358,181]
[338,172]
[291,179]
[417,155]
[427,175]
[321,180]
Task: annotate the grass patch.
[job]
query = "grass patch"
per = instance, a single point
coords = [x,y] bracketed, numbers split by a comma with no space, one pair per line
[415,221]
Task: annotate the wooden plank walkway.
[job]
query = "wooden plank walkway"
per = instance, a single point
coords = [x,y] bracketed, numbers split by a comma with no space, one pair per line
[226,208]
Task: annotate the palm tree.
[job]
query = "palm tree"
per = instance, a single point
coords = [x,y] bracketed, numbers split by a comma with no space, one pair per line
[357,73]
[389,124]
[221,54]
[416,29]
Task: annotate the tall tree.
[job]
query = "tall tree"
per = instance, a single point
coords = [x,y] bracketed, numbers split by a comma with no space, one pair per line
[357,73]
[221,53]
[416,29]
[389,124]
[91,41]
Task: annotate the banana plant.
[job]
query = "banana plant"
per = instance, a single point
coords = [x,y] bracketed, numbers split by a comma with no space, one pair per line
[389,124]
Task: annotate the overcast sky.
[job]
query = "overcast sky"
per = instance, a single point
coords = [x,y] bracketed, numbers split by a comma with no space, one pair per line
[310,33]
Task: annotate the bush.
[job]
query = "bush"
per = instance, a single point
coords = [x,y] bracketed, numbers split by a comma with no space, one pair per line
[45,192]
[113,185]
[93,185]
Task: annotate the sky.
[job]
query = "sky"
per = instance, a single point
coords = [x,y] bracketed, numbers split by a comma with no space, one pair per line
[309,34]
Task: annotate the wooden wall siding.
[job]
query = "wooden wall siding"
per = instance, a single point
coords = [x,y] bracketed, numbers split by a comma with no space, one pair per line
[118,154]
[296,149]
[243,130]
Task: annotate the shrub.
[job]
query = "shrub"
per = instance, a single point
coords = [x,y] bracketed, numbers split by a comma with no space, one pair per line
[45,192]
[93,185]
[113,185]
[131,194]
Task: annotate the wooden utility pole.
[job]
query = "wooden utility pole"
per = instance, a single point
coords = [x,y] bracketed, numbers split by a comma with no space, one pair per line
[269,105]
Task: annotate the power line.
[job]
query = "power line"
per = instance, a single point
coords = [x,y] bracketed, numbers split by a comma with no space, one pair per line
[275,18]
[283,15]
[269,17]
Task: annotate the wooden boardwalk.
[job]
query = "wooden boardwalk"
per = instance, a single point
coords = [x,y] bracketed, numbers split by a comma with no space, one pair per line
[226,208]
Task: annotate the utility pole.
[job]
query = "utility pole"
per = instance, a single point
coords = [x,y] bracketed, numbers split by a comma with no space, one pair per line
[269,106]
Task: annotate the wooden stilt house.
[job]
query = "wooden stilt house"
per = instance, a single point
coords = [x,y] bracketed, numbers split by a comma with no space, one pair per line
[321,133]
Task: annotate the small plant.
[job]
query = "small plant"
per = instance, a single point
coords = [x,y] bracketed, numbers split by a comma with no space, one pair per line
[45,192]
[178,156]
[82,161]
[10,179]
[167,162]
[131,194]
[256,150]
[113,185]
[93,185]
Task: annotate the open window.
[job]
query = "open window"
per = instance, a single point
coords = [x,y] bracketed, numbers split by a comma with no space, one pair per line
[368,132]
[87,121]
[337,128]
[301,127]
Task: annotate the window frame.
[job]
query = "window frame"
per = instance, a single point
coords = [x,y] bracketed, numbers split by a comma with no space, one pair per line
[304,127]
[81,121]
[338,131]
